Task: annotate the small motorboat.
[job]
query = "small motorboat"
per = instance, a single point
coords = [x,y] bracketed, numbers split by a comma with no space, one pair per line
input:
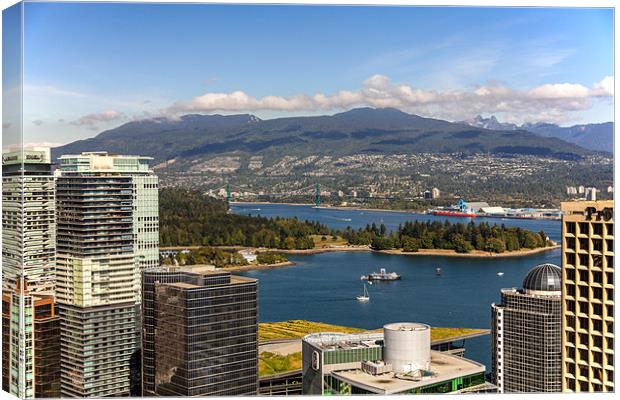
[438,271]
[364,297]
[500,274]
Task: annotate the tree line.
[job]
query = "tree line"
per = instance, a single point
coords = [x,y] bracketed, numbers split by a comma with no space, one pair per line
[462,238]
[188,218]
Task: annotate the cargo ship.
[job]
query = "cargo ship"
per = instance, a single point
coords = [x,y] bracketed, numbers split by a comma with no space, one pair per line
[454,213]
[382,275]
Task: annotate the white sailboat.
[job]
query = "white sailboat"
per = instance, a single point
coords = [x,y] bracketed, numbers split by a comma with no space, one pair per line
[363,297]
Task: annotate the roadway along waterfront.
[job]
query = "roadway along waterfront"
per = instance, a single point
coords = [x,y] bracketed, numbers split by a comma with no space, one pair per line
[322,287]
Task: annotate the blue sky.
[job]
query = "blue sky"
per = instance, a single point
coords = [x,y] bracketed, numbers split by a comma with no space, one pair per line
[89,67]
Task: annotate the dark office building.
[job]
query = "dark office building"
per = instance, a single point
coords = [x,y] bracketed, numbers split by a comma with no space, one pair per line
[199,332]
[527,334]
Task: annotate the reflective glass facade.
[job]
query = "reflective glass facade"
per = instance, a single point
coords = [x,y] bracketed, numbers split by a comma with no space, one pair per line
[200,333]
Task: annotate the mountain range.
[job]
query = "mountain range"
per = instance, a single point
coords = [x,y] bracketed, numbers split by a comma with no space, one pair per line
[358,131]
[598,137]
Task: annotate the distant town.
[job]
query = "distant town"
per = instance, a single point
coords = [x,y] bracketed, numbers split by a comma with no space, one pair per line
[397,181]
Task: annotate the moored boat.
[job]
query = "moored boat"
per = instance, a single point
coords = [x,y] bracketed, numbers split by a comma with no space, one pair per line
[382,275]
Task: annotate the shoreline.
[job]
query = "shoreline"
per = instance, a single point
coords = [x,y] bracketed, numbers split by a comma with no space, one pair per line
[396,252]
[251,267]
[407,211]
[425,252]
[342,208]
[473,254]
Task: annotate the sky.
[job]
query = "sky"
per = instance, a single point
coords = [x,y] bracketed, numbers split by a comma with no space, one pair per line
[90,67]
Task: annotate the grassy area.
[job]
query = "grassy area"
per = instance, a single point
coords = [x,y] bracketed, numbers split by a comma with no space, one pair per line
[445,333]
[329,241]
[300,328]
[297,329]
[270,363]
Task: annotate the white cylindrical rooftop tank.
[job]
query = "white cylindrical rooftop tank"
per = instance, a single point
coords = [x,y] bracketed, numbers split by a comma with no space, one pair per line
[407,346]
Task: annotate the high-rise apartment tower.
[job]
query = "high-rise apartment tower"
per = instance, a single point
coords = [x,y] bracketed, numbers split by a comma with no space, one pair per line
[107,228]
[28,263]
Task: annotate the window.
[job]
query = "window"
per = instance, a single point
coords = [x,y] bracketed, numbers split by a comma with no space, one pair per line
[597,229]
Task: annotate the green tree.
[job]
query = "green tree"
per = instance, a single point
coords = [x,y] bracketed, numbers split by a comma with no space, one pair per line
[496,245]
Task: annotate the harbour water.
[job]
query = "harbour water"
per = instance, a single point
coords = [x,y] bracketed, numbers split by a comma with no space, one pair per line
[323,287]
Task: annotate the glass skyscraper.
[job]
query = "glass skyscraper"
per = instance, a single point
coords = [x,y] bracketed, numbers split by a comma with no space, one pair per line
[200,332]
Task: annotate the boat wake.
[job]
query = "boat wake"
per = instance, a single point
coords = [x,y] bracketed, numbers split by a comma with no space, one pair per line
[338,218]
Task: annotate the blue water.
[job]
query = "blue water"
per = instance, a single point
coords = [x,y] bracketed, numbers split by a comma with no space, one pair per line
[322,287]
[340,219]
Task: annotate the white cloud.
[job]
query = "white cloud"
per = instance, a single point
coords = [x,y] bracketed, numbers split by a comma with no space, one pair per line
[552,102]
[605,88]
[95,118]
[559,91]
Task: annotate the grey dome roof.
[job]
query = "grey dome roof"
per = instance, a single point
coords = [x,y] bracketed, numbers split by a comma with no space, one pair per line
[544,277]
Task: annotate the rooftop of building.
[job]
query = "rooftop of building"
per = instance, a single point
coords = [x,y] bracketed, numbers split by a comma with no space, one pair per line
[580,206]
[543,278]
[407,326]
[477,204]
[444,367]
[241,279]
[531,293]
[103,154]
[338,341]
[198,270]
[329,341]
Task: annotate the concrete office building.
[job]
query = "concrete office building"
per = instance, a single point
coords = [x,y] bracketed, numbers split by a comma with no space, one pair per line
[588,296]
[28,263]
[200,332]
[397,361]
[106,230]
[526,334]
